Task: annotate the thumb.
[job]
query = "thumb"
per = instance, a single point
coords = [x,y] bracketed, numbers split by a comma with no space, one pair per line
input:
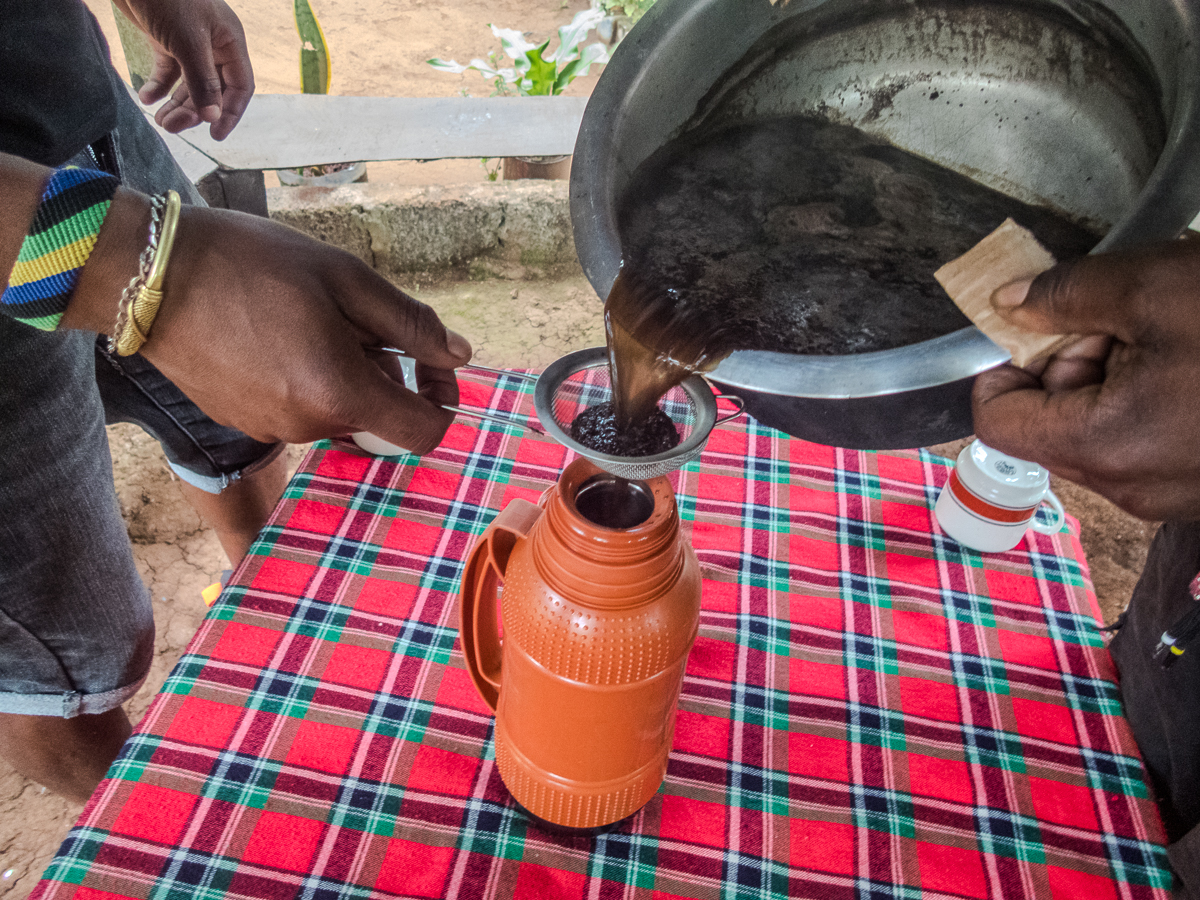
[1084,296]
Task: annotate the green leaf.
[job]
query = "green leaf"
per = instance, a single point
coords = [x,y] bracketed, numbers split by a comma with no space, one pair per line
[513,42]
[536,72]
[571,36]
[475,65]
[542,73]
[592,54]
[447,65]
[314,53]
[640,8]
[565,76]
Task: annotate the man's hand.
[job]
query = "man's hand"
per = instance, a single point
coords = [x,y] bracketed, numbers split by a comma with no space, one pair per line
[271,332]
[276,333]
[1119,410]
[203,41]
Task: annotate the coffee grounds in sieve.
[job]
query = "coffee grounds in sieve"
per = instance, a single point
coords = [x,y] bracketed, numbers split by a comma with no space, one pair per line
[596,428]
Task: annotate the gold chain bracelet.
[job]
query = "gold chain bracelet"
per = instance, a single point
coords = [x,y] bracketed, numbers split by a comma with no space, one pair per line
[144,294]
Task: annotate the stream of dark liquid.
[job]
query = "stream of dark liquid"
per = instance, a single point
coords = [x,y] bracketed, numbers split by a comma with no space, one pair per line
[794,235]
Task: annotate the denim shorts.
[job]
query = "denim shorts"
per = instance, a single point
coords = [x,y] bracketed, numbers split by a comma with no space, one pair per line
[76,626]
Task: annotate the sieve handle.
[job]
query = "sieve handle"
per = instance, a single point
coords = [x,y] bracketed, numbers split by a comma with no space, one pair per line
[475,413]
[523,376]
[736,401]
[492,417]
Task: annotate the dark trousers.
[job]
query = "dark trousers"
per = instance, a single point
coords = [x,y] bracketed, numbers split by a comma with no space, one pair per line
[1163,705]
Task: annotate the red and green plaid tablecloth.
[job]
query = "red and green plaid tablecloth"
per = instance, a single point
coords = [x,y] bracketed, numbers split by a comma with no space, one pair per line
[870,711]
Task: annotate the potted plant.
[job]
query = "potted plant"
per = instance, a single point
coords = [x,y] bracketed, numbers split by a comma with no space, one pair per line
[537,73]
[314,79]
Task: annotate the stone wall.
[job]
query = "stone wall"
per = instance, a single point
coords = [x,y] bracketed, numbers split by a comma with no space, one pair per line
[518,228]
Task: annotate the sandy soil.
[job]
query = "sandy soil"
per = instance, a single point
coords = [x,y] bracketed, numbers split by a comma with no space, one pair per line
[379,49]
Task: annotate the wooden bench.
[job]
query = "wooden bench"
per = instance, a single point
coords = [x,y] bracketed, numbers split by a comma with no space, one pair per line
[290,131]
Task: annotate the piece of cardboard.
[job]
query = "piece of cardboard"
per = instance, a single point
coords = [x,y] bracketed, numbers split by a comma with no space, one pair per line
[1007,254]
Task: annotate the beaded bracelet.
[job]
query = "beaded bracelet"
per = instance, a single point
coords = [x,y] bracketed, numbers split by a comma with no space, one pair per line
[143,295]
[64,231]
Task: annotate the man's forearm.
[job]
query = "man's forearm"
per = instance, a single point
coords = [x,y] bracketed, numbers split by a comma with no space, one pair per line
[21,184]
[113,259]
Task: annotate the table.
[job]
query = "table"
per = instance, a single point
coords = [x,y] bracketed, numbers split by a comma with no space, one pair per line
[869,710]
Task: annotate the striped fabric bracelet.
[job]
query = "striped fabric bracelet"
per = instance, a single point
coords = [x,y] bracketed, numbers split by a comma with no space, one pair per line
[59,241]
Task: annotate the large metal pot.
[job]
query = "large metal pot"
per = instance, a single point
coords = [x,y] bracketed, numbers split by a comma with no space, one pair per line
[1085,106]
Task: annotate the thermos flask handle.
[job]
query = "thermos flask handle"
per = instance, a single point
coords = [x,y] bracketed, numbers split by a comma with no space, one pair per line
[478,621]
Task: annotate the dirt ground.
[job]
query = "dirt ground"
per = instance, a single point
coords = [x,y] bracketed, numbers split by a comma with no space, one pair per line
[379,49]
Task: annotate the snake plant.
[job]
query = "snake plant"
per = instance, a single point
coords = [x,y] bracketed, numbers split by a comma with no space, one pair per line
[314,53]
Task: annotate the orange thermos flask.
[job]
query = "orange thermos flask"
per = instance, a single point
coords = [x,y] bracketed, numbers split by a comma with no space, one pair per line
[599,595]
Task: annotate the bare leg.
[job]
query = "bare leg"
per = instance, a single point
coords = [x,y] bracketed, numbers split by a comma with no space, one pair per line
[239,512]
[68,756]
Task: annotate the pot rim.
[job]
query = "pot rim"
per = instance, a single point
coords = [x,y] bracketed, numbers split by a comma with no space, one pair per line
[1166,205]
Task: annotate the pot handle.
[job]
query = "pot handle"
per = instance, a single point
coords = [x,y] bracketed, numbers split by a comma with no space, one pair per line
[736,401]
[479,595]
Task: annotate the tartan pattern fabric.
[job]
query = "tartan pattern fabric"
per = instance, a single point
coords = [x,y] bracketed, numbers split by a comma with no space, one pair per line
[869,710]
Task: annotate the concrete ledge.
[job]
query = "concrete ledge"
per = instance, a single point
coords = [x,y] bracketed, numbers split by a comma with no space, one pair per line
[515,228]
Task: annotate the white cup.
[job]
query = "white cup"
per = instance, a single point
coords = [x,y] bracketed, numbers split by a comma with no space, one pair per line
[373,443]
[990,500]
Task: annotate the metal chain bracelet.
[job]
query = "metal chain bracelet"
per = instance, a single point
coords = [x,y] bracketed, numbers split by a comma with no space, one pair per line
[143,295]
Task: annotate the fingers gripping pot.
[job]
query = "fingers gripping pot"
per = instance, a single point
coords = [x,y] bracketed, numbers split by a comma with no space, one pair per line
[599,594]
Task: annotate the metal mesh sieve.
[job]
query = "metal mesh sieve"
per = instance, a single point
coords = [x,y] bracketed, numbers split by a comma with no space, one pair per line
[581,379]
[572,383]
